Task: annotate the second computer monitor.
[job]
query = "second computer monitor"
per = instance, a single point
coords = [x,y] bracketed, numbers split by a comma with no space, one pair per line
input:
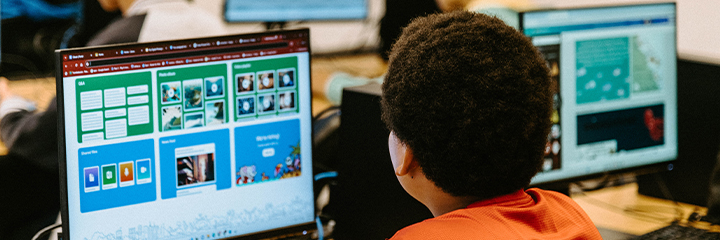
[615,76]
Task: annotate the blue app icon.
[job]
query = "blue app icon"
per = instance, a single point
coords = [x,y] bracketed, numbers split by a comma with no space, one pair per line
[143,169]
[92,179]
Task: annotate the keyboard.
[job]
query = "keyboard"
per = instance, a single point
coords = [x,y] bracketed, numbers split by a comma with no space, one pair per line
[675,231]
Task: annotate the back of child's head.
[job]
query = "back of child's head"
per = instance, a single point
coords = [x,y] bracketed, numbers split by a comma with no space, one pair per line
[471,97]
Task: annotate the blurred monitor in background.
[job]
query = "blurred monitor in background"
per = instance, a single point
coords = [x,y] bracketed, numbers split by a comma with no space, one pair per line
[294,10]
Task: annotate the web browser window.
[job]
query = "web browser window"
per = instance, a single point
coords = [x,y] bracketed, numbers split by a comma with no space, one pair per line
[192,139]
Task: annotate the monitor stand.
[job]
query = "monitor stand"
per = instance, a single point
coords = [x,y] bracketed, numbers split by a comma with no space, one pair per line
[561,187]
[274,25]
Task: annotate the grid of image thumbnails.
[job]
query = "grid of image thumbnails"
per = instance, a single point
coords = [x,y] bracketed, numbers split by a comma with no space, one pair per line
[202,102]
[265,92]
[193,103]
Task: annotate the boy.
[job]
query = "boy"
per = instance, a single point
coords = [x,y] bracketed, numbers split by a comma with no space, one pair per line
[468,102]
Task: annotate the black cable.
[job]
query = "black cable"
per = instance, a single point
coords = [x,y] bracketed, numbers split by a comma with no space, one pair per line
[666,193]
[46,231]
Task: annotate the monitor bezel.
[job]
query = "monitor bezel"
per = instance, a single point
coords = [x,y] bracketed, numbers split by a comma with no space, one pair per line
[62,155]
[663,166]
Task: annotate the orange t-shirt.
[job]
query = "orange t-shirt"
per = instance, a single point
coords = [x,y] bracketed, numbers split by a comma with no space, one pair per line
[530,214]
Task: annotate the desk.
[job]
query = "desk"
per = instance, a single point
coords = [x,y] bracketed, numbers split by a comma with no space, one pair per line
[622,209]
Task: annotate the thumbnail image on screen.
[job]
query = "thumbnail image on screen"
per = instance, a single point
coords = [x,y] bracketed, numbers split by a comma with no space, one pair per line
[195,165]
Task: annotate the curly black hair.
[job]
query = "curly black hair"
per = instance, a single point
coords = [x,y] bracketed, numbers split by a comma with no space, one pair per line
[471,96]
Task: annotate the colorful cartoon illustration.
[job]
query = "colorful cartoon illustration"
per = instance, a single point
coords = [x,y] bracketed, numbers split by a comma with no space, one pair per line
[289,164]
[246,175]
[273,150]
[296,155]
[292,163]
[278,170]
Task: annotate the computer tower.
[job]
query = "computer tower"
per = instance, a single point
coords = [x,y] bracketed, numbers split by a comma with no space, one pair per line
[367,202]
[698,111]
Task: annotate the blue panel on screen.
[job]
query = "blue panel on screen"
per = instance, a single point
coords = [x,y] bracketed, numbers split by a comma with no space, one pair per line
[195,163]
[90,159]
[267,152]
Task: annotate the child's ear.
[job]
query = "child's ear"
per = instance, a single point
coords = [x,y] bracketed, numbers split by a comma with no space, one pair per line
[408,163]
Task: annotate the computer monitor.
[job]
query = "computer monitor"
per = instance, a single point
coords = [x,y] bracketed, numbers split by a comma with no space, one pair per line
[191,139]
[294,10]
[615,76]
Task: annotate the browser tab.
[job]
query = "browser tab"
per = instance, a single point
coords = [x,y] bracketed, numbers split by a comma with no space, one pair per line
[202,44]
[271,38]
[154,49]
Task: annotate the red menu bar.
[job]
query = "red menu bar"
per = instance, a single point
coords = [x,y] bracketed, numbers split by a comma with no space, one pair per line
[154,55]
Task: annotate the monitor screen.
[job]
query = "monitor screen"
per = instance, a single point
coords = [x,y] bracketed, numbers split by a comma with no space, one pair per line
[192,139]
[294,10]
[615,76]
